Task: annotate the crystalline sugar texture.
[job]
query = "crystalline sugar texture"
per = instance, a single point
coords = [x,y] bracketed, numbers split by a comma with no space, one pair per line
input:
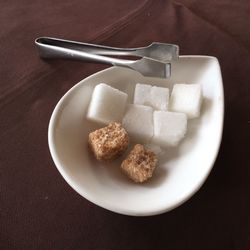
[186,98]
[156,97]
[169,128]
[107,104]
[138,121]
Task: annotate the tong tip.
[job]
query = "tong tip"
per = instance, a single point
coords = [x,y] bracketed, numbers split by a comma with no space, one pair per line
[152,68]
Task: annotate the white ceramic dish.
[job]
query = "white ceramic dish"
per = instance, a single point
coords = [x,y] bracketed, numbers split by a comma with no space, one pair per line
[182,170]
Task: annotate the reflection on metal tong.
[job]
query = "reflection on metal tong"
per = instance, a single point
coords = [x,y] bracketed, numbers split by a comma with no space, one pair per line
[155,59]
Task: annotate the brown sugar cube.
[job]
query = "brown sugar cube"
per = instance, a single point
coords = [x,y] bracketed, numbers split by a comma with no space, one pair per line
[109,142]
[140,164]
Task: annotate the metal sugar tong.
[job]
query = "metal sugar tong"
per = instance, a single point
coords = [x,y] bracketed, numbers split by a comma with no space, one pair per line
[155,59]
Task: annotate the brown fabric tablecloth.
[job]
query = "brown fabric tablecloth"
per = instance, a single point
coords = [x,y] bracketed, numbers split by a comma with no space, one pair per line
[38,209]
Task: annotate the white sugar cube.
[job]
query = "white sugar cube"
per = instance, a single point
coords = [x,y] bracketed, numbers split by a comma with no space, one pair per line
[156,97]
[155,148]
[186,98]
[138,121]
[107,104]
[169,128]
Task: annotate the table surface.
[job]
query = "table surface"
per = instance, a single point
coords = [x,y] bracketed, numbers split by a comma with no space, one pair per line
[38,209]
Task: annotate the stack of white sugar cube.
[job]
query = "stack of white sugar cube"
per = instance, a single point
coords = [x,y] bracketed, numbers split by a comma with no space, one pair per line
[153,117]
